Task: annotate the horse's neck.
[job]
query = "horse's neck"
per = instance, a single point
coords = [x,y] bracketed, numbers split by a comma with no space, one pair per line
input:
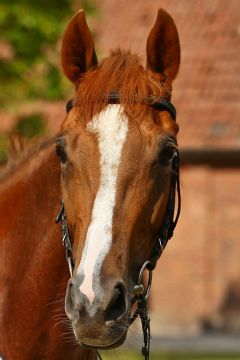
[29,197]
[33,270]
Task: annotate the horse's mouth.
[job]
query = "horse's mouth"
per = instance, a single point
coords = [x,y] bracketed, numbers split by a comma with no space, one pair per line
[92,343]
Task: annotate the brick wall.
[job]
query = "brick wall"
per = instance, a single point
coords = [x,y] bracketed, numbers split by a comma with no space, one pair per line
[197,282]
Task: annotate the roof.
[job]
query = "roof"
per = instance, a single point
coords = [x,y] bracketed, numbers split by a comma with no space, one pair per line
[207,90]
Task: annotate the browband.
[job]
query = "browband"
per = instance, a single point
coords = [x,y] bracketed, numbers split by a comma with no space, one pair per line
[114,98]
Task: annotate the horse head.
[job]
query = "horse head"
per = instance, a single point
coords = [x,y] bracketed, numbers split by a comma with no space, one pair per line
[116,148]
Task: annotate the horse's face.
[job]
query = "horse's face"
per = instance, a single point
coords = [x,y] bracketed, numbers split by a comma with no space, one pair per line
[116,169]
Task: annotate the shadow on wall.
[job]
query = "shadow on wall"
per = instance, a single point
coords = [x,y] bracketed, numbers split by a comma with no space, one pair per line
[227,319]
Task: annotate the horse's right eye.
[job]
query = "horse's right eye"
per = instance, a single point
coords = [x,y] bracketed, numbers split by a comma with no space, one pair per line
[61,153]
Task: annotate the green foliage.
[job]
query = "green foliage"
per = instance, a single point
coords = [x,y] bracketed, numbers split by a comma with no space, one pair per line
[31,29]
[4,141]
[30,126]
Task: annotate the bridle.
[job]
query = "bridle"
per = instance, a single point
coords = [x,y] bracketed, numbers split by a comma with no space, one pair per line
[140,292]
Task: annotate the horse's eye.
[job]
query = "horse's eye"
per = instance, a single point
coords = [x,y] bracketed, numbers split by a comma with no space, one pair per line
[69,105]
[167,154]
[61,153]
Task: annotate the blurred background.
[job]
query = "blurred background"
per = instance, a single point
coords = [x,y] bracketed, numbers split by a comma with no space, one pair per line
[195,299]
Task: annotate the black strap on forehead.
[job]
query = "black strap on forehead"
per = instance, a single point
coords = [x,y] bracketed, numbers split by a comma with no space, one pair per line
[162,104]
[114,98]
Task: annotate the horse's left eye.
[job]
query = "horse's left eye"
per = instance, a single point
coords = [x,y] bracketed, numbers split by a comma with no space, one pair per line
[61,153]
[167,154]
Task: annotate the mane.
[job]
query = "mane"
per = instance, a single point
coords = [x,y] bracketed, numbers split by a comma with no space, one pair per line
[18,155]
[120,72]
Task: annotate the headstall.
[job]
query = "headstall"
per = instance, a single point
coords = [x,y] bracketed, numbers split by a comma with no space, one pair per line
[166,232]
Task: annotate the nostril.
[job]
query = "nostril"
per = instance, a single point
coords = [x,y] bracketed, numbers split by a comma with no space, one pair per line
[82,310]
[117,305]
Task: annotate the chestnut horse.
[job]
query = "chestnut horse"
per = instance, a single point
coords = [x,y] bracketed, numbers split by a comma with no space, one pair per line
[116,176]
[33,272]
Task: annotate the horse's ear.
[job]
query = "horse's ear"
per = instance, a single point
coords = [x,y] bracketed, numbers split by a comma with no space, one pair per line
[78,54]
[163,48]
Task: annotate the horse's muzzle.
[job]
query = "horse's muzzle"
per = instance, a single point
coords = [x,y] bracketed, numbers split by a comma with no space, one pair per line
[102,323]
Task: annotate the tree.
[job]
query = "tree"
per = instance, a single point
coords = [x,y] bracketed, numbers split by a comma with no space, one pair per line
[31,30]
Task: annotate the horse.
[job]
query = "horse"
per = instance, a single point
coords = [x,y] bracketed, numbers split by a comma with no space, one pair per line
[114,169]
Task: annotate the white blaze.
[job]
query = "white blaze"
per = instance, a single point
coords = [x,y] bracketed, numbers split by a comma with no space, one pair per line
[111,127]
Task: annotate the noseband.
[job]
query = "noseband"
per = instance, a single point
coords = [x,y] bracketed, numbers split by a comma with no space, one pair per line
[166,232]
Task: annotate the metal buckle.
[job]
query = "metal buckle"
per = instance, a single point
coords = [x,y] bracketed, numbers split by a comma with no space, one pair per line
[139,288]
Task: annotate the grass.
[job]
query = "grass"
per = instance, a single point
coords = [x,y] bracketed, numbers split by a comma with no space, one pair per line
[118,355]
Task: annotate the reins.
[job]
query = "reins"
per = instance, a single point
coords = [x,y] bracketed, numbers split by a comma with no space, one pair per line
[140,293]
